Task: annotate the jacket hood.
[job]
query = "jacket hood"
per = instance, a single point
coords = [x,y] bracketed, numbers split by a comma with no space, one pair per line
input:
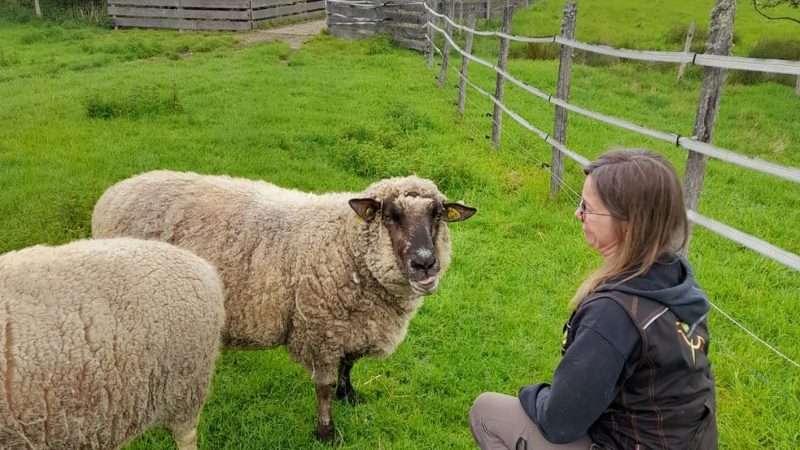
[670,281]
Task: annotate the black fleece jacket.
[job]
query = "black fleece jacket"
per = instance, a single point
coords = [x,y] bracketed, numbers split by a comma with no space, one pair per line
[605,351]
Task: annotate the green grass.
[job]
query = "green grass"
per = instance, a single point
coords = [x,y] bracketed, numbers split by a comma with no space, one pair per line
[649,25]
[337,115]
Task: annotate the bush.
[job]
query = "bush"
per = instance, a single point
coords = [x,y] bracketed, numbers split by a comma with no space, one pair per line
[380,43]
[788,49]
[676,37]
[534,50]
[93,12]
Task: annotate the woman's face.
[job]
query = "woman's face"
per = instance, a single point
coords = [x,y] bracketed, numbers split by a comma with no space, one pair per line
[598,225]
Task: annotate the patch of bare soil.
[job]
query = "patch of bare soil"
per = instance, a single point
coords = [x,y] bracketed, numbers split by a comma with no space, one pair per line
[295,35]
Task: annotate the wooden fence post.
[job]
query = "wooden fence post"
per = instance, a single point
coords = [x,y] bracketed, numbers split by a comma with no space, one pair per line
[488,9]
[502,59]
[720,40]
[446,51]
[429,46]
[562,92]
[797,87]
[462,83]
[686,47]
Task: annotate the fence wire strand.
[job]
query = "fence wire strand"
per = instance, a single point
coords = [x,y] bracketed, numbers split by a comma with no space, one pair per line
[787,173]
[573,194]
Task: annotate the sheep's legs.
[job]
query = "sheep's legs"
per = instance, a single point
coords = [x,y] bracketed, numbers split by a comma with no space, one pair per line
[186,435]
[188,441]
[325,428]
[344,388]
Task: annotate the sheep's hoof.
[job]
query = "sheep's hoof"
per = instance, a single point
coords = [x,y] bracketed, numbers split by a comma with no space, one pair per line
[350,395]
[326,433]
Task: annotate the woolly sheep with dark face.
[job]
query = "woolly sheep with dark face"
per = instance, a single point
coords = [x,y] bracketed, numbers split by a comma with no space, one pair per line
[335,277]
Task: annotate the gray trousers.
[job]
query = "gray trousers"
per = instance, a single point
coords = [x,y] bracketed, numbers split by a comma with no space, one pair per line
[498,422]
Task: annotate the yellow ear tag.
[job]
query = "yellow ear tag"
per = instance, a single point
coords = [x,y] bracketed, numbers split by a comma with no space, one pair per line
[453,214]
[368,212]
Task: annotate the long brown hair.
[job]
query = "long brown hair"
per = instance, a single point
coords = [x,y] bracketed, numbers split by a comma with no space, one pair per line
[644,197]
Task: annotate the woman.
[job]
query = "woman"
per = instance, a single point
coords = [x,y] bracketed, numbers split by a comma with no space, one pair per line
[635,372]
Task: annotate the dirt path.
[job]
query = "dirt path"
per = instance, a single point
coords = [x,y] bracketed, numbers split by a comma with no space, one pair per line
[295,35]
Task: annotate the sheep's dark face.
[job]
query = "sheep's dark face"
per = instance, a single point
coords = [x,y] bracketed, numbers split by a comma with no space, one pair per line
[418,233]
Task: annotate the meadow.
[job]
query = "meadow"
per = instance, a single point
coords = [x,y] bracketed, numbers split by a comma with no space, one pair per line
[82,107]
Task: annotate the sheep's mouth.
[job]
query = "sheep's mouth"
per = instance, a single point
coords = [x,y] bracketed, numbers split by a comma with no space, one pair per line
[425,286]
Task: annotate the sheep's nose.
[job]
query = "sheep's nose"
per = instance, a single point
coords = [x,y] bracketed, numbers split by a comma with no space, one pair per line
[423,260]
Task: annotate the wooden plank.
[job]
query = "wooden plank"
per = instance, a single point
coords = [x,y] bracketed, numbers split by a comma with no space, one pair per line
[410,8]
[353,26]
[354,11]
[178,13]
[160,3]
[410,44]
[211,4]
[412,19]
[181,24]
[351,34]
[686,47]
[301,16]
[222,4]
[401,31]
[270,3]
[288,10]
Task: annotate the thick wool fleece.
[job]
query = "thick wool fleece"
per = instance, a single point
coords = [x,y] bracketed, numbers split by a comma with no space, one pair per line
[100,340]
[299,269]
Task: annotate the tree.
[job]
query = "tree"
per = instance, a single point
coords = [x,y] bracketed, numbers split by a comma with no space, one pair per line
[38,8]
[765,4]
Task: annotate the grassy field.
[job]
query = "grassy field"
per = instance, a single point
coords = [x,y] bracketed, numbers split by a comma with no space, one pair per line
[650,26]
[83,107]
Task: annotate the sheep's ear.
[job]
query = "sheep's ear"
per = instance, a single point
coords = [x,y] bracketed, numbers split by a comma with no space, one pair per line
[456,212]
[366,208]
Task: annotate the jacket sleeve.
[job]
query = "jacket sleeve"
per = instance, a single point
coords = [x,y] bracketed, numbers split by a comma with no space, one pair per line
[587,379]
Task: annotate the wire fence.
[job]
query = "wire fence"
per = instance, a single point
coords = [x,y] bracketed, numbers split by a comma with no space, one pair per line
[780,66]
[792,174]
[521,150]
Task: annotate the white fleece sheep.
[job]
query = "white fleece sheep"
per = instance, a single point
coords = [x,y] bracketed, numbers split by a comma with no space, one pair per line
[100,340]
[334,277]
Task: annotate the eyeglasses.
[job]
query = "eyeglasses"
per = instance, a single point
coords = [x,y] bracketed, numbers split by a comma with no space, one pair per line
[582,210]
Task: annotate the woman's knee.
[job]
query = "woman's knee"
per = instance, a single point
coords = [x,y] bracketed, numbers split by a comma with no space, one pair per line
[482,406]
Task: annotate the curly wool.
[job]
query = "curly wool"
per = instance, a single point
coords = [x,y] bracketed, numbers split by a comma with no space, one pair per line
[102,339]
[299,269]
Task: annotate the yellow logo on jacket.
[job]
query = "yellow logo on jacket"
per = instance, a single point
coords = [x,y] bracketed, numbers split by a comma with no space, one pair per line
[694,344]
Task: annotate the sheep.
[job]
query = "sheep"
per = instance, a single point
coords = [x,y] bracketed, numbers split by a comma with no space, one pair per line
[103,339]
[334,277]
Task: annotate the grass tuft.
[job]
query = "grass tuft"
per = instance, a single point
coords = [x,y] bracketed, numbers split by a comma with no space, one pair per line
[139,102]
